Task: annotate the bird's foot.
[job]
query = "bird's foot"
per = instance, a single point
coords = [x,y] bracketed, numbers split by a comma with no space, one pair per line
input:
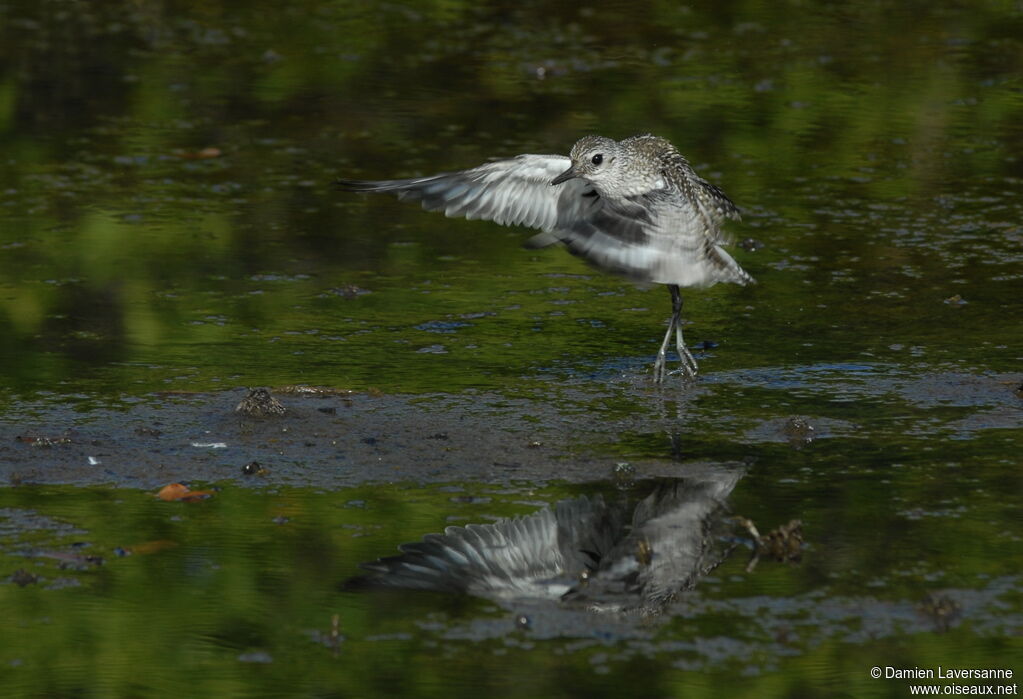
[659,368]
[686,371]
[687,367]
[685,357]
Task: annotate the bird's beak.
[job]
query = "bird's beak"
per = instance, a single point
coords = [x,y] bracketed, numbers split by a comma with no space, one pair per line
[565,176]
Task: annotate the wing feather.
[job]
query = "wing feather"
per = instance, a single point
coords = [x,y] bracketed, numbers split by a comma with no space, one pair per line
[516,191]
[668,235]
[675,244]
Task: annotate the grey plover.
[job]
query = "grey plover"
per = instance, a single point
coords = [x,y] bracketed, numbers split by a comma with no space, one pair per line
[633,207]
[605,556]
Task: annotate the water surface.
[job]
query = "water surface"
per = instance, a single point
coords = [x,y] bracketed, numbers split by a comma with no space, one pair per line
[170,234]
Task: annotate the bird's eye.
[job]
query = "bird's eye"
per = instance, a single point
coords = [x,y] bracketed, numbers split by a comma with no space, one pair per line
[597,159]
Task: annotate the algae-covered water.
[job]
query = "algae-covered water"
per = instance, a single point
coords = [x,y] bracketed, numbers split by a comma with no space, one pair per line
[170,235]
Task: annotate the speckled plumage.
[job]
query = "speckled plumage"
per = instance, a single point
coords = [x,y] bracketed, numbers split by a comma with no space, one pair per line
[580,553]
[633,207]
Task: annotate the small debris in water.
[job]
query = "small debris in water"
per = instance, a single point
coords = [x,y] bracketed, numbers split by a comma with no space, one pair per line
[942,609]
[335,632]
[146,547]
[784,544]
[44,441]
[523,622]
[74,561]
[751,244]
[315,390]
[348,291]
[333,638]
[204,154]
[623,474]
[433,349]
[254,468]
[799,432]
[470,499]
[535,444]
[22,577]
[256,656]
[956,300]
[260,403]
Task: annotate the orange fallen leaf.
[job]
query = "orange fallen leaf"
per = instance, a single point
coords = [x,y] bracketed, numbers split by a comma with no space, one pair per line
[181,493]
[172,491]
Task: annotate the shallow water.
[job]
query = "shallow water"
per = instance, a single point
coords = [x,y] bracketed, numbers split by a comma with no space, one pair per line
[169,233]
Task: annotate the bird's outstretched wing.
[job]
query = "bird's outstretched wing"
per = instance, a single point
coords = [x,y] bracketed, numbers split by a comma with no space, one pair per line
[513,191]
[662,236]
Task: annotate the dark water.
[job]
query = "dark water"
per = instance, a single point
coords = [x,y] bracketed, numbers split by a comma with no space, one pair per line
[168,223]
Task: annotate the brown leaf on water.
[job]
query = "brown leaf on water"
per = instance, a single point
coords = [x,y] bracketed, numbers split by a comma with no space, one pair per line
[178,492]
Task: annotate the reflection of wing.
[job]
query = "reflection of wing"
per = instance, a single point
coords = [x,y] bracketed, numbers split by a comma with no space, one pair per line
[541,556]
[513,191]
[668,548]
[538,556]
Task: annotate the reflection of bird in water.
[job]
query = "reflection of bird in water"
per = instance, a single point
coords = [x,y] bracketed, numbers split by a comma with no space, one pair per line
[582,551]
[633,207]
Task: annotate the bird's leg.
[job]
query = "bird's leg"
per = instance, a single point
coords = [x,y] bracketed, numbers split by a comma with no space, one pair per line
[659,363]
[689,367]
[674,325]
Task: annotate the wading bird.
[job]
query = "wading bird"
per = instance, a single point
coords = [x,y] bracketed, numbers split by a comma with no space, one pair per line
[633,207]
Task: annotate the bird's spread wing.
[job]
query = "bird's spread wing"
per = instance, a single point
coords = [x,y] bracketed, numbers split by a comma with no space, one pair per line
[513,191]
[656,237]
[662,236]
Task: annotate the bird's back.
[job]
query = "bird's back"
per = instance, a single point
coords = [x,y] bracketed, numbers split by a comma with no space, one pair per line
[660,222]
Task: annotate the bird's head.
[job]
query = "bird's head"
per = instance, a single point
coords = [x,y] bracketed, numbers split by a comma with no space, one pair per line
[595,159]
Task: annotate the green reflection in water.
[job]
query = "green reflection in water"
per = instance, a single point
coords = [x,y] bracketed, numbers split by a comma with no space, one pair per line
[874,149]
[235,594]
[175,225]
